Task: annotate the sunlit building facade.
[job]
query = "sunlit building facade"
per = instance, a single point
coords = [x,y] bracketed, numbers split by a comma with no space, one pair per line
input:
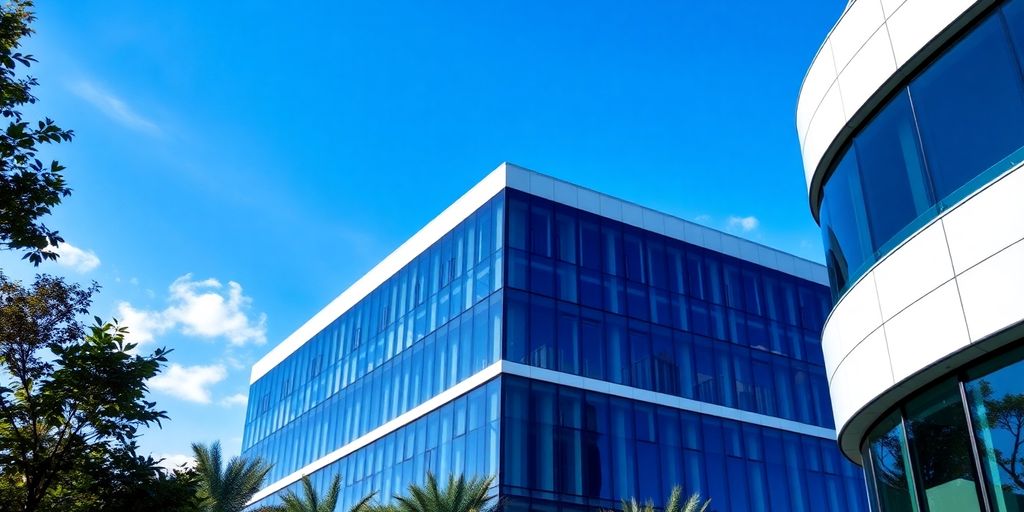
[579,348]
[911,122]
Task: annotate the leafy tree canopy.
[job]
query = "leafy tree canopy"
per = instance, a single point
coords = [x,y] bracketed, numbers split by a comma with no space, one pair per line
[29,188]
[72,401]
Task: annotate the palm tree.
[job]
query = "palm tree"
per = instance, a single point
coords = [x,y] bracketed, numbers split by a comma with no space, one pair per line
[311,501]
[227,489]
[459,495]
[692,504]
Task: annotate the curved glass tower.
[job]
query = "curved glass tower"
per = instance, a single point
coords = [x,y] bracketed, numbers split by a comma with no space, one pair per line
[580,348]
[911,122]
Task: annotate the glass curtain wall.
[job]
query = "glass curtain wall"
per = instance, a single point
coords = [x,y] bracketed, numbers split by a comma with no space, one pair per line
[953,128]
[588,450]
[956,446]
[462,437]
[439,316]
[597,298]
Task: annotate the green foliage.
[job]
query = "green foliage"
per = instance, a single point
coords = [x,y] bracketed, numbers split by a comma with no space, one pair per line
[692,504]
[459,495]
[29,188]
[1006,413]
[72,401]
[226,488]
[310,501]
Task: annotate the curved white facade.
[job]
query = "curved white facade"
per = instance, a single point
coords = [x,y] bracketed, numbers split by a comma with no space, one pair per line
[950,292]
[943,293]
[870,49]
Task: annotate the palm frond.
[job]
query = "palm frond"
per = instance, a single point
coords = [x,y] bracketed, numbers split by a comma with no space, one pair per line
[457,495]
[227,489]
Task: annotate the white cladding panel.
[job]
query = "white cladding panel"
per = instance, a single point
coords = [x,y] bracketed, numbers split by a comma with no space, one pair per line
[920,266]
[921,311]
[927,331]
[863,52]
[993,220]
[993,292]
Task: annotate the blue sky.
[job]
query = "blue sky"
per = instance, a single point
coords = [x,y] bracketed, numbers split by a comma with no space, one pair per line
[235,167]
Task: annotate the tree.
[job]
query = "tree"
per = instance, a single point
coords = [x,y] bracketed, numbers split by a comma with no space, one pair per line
[692,504]
[227,488]
[311,501]
[29,189]
[1004,417]
[72,401]
[459,495]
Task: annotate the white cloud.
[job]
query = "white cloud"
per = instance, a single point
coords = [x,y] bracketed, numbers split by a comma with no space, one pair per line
[204,309]
[749,223]
[113,107]
[703,218]
[172,461]
[189,383]
[79,260]
[235,399]
[143,326]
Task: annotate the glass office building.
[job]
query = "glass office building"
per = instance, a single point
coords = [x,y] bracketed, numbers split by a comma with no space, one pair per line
[912,128]
[579,348]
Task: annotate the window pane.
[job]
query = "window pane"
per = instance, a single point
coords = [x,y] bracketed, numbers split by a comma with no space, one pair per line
[892,170]
[889,463]
[996,401]
[969,106]
[565,226]
[941,451]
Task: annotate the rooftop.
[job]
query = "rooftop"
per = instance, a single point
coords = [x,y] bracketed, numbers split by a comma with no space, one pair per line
[509,175]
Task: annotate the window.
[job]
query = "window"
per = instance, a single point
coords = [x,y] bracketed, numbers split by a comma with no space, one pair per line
[941,451]
[995,395]
[892,170]
[983,125]
[888,462]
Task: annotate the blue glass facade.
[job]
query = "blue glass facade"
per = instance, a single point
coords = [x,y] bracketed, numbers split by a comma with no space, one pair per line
[432,325]
[534,282]
[952,128]
[601,299]
[586,450]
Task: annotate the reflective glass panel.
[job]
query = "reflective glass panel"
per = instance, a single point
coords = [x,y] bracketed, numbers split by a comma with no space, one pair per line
[941,450]
[891,170]
[890,461]
[969,106]
[996,399]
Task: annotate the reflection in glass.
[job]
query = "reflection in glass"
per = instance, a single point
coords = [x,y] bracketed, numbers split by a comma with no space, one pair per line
[892,170]
[996,401]
[969,105]
[941,451]
[889,461]
[954,127]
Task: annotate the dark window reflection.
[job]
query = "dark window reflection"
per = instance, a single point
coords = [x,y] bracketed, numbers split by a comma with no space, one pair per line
[892,170]
[997,408]
[969,105]
[941,451]
[956,126]
[890,462]
[571,446]
[627,309]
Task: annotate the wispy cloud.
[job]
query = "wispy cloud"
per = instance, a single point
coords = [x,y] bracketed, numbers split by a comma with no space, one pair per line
[189,383]
[79,260]
[113,107]
[205,309]
[235,400]
[747,224]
